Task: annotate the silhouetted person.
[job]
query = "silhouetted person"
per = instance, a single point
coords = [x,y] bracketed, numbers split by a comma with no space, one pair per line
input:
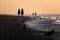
[24,27]
[35,14]
[23,21]
[49,33]
[22,12]
[18,12]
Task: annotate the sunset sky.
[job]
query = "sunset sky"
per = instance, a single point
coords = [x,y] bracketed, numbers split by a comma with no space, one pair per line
[30,6]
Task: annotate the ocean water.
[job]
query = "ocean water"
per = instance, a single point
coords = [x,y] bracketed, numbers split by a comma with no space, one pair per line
[35,23]
[45,27]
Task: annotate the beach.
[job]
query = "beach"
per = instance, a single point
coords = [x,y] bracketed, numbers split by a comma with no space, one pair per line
[11,28]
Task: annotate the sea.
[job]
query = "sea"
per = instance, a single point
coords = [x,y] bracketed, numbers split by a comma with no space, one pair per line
[35,26]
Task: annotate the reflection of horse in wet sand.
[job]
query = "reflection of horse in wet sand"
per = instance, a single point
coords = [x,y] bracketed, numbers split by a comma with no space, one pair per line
[49,34]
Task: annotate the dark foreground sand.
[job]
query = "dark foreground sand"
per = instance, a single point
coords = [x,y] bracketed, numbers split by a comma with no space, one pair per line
[11,28]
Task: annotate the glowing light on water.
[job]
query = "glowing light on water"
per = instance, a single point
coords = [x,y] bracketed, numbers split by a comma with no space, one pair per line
[36,25]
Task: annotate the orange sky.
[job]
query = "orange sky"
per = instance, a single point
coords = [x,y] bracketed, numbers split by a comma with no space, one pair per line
[30,6]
